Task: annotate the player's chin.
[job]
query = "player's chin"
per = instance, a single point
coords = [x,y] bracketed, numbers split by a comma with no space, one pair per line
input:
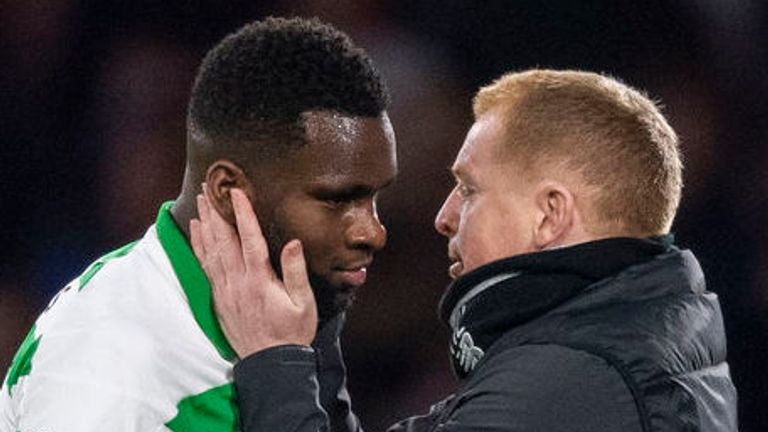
[344,299]
[330,306]
[332,295]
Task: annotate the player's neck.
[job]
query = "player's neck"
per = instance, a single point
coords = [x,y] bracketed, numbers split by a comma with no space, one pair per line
[183,211]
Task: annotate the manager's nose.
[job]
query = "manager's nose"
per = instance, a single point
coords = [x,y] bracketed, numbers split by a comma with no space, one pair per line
[447,218]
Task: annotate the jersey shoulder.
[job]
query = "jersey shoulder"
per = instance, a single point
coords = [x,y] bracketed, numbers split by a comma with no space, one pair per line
[117,346]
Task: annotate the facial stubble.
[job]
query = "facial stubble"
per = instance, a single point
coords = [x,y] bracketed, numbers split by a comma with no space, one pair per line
[330,300]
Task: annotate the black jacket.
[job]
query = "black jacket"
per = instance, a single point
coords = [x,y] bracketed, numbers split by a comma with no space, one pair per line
[615,335]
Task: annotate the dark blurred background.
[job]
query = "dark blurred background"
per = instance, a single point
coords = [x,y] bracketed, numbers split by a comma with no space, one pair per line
[92,108]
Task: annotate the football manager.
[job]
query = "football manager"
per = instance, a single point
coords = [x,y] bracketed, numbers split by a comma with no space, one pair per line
[571,309]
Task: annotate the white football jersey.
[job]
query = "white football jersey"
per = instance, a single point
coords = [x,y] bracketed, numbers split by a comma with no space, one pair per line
[132,344]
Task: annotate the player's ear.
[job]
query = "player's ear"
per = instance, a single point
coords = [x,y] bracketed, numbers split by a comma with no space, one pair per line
[556,206]
[221,177]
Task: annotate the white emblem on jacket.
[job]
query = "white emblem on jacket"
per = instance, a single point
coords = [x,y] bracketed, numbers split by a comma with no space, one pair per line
[464,349]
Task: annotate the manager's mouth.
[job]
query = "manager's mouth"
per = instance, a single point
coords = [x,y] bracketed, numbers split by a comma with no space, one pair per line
[457,265]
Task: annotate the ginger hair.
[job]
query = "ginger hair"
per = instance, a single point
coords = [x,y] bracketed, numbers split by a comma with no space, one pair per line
[612,136]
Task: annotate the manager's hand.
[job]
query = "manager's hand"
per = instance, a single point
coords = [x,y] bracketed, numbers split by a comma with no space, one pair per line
[256,309]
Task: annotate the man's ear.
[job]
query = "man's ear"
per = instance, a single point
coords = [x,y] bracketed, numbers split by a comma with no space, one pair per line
[221,177]
[556,205]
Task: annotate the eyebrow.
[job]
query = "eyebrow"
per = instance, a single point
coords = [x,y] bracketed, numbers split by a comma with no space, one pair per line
[460,173]
[456,172]
[352,191]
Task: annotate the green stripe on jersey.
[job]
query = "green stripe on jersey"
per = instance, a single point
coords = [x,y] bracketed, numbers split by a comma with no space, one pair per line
[213,410]
[22,361]
[192,279]
[92,269]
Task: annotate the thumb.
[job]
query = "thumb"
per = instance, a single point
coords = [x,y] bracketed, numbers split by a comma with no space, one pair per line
[295,275]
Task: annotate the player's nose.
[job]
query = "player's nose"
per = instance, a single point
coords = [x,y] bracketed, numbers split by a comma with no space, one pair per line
[365,230]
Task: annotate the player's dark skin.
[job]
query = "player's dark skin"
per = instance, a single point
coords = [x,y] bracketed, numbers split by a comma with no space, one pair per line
[323,193]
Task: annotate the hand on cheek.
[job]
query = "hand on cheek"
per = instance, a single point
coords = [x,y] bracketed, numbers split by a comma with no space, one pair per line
[255,308]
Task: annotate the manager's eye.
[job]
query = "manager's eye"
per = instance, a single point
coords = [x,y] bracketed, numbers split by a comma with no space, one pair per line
[464,190]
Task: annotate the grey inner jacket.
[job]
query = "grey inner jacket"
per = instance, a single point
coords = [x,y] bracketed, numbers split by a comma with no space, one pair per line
[641,351]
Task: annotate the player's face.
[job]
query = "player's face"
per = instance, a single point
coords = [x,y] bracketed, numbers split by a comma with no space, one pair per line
[490,214]
[325,195]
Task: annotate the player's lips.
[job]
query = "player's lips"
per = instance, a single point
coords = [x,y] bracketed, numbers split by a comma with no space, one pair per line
[354,275]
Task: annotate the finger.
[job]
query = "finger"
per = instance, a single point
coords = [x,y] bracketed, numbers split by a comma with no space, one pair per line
[210,262]
[205,223]
[227,241]
[255,251]
[202,240]
[217,274]
[196,239]
[295,276]
[210,212]
[202,205]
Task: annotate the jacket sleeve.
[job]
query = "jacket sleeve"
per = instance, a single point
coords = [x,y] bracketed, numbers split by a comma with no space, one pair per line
[307,384]
[423,423]
[332,377]
[527,389]
[277,390]
[543,388]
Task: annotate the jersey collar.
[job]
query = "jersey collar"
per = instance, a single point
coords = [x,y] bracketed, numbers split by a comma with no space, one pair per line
[192,279]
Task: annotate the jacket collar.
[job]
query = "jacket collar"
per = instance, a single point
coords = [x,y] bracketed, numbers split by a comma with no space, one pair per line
[486,302]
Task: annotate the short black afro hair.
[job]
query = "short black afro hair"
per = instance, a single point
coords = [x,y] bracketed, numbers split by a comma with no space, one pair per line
[256,83]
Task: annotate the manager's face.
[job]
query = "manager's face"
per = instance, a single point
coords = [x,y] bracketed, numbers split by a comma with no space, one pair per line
[324,194]
[489,214]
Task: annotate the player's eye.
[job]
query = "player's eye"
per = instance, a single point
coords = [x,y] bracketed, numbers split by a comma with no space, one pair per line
[339,200]
[344,197]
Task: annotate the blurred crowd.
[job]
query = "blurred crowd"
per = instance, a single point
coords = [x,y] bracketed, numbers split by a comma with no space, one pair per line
[92,131]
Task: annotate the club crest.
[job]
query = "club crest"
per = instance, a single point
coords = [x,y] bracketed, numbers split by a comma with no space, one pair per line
[464,351]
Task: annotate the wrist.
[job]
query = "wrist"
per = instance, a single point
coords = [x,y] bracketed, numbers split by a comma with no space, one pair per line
[277,349]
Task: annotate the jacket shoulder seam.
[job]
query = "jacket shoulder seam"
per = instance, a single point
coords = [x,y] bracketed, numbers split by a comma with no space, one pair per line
[626,376]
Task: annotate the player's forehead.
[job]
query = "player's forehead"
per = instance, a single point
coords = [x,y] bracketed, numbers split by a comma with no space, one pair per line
[344,148]
[343,132]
